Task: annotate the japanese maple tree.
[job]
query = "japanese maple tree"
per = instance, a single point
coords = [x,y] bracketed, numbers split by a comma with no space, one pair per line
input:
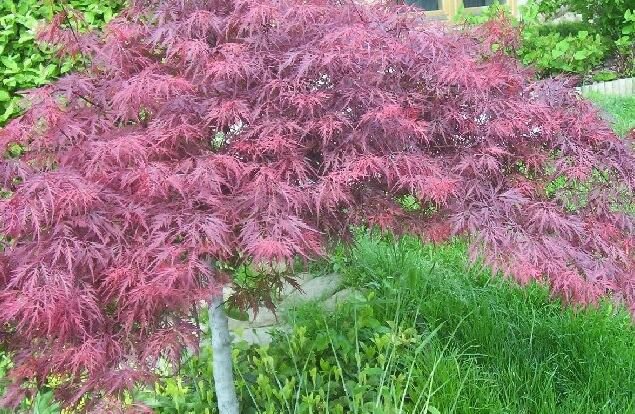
[252,132]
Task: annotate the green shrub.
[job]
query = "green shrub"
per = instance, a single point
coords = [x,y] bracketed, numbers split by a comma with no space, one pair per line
[570,47]
[25,64]
[352,362]
[612,19]
[607,16]
[574,47]
[554,53]
[625,44]
[559,48]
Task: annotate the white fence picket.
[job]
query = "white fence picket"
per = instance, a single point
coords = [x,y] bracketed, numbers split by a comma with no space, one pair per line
[618,87]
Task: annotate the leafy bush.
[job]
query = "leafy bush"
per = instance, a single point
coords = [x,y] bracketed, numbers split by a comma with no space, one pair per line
[25,64]
[566,47]
[607,16]
[625,44]
[353,363]
[125,205]
[553,53]
[612,19]
[572,48]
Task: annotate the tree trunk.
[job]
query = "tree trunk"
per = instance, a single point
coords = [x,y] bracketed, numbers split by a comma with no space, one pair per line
[222,358]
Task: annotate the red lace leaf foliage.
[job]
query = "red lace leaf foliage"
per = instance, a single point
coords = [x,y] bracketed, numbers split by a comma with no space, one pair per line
[257,130]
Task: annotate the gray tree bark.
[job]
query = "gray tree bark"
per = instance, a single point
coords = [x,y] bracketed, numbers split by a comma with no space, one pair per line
[222,358]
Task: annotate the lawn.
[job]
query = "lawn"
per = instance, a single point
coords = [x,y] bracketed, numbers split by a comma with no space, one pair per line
[621,110]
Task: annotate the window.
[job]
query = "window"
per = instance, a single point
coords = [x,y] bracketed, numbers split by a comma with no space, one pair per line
[479,3]
[448,8]
[434,8]
[427,4]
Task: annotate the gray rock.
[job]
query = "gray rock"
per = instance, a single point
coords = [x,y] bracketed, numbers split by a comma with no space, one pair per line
[301,279]
[313,289]
[257,336]
[253,336]
[264,317]
[227,291]
[347,295]
[236,325]
[258,326]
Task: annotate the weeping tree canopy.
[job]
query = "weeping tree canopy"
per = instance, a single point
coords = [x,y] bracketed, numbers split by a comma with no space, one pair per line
[243,131]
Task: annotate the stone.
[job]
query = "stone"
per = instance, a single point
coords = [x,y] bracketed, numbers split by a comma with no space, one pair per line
[227,292]
[253,336]
[313,289]
[257,336]
[264,317]
[258,326]
[237,325]
[301,279]
[347,295]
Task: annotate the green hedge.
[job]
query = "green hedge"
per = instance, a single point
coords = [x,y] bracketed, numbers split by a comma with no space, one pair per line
[607,16]
[612,19]
[24,63]
[570,47]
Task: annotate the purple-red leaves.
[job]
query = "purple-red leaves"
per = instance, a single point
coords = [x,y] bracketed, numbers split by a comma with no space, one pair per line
[250,131]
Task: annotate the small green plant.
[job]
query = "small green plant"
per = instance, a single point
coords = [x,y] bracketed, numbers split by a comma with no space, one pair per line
[218,141]
[409,202]
[352,362]
[42,403]
[605,75]
[24,63]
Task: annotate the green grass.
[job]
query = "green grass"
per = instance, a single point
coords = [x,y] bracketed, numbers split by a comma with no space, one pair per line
[522,351]
[621,109]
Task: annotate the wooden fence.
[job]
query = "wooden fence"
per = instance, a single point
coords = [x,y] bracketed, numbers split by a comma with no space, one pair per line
[618,87]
